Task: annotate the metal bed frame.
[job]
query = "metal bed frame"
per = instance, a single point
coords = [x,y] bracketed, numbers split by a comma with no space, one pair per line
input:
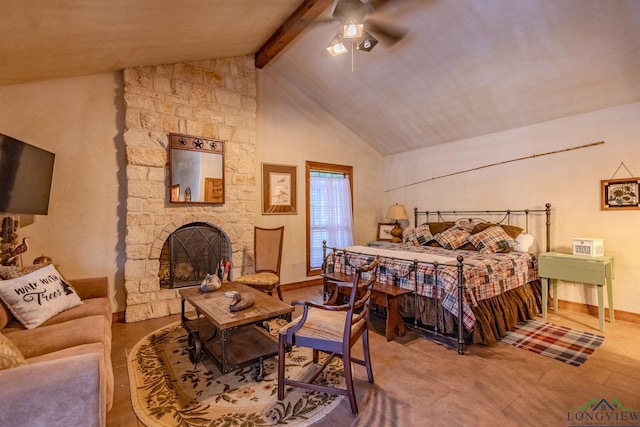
[440,217]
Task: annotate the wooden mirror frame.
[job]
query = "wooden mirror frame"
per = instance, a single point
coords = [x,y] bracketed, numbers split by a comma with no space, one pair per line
[188,153]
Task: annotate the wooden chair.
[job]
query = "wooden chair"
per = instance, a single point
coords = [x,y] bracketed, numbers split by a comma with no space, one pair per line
[267,250]
[332,329]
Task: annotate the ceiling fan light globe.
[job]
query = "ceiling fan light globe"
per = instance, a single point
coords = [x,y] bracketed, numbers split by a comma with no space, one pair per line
[337,47]
[367,42]
[352,30]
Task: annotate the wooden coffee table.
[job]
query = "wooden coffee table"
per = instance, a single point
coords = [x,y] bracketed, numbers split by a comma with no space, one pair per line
[233,340]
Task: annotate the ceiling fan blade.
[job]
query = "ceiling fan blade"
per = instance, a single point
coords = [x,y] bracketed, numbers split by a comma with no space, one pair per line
[388,34]
[379,3]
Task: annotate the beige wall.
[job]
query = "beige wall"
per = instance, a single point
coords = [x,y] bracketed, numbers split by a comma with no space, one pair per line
[292,129]
[81,121]
[569,180]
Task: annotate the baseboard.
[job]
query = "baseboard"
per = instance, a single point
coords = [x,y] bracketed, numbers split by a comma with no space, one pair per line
[300,285]
[593,310]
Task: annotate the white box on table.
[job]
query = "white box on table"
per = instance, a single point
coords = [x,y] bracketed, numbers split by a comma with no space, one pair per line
[588,247]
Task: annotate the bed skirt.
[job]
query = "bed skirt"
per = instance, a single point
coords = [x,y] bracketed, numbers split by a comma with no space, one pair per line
[494,316]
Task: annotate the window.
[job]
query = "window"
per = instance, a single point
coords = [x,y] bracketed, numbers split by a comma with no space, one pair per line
[329,210]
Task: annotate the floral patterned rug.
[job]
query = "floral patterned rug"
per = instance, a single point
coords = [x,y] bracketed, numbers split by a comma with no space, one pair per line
[168,390]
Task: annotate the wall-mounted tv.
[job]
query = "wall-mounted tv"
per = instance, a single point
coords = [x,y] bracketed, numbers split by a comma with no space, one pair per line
[25,177]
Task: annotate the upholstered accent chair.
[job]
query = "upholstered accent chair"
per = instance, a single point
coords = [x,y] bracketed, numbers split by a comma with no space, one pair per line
[267,252]
[332,329]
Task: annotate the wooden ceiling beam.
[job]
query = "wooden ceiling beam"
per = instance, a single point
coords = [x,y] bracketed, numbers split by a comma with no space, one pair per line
[303,16]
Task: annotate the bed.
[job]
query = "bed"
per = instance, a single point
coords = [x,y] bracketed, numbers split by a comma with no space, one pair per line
[488,263]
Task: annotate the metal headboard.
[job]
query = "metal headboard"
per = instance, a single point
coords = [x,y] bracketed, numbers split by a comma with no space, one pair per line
[504,217]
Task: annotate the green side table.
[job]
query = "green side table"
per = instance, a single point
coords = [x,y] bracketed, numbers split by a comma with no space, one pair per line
[597,271]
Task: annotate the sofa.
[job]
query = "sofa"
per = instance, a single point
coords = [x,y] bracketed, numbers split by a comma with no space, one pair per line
[66,376]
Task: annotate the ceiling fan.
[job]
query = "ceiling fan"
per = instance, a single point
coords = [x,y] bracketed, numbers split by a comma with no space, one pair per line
[357,26]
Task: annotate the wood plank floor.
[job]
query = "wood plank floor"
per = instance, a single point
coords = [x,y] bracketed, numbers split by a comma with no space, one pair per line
[419,383]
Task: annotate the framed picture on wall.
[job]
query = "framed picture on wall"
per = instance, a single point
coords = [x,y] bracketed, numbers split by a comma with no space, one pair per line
[278,189]
[620,194]
[384,230]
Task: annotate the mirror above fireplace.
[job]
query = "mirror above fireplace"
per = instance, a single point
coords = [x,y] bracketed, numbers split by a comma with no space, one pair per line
[196,169]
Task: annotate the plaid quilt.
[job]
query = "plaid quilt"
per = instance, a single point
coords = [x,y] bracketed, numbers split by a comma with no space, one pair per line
[484,275]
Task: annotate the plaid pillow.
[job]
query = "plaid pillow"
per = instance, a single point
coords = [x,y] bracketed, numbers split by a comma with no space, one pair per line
[452,238]
[492,240]
[419,236]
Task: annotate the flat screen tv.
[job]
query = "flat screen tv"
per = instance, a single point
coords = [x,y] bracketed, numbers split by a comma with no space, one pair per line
[25,177]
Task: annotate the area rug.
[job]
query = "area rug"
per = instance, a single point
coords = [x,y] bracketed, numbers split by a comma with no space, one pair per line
[556,342]
[168,390]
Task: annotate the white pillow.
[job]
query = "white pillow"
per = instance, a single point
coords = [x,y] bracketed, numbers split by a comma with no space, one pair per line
[36,297]
[524,242]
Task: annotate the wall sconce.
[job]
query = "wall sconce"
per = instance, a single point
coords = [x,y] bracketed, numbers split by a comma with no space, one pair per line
[397,213]
[337,47]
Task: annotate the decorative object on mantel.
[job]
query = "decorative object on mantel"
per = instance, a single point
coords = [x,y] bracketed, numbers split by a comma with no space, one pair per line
[620,194]
[397,213]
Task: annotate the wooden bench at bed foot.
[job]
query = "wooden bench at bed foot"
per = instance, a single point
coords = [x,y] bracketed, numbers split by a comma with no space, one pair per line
[382,294]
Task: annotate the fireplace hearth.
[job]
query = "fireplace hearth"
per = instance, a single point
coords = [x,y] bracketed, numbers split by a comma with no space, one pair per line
[191,252]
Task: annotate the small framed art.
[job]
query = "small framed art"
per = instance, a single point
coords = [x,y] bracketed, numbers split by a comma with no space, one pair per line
[384,230]
[620,194]
[278,189]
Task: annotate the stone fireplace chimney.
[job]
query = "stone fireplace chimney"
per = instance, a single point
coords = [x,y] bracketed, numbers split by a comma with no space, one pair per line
[211,99]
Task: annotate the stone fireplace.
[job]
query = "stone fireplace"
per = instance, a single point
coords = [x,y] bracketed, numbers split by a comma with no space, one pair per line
[211,99]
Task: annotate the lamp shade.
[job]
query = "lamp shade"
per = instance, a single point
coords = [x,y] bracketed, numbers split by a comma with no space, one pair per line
[397,212]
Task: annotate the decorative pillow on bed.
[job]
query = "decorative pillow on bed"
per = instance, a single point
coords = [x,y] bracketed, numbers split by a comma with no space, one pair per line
[511,230]
[419,236]
[492,240]
[36,297]
[439,227]
[452,238]
[524,242]
[469,223]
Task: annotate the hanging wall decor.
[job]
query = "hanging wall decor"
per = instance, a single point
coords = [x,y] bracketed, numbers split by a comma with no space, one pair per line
[278,189]
[620,194]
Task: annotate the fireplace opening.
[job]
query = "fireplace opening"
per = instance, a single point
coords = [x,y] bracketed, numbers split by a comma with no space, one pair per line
[190,253]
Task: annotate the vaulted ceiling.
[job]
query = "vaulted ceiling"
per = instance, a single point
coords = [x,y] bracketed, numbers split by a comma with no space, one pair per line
[465,68]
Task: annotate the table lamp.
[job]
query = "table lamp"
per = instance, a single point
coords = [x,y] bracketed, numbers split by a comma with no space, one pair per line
[397,212]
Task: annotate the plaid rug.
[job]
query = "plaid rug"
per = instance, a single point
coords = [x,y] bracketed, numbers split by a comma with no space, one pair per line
[556,342]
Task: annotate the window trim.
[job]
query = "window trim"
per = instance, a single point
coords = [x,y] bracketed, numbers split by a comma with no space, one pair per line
[324,167]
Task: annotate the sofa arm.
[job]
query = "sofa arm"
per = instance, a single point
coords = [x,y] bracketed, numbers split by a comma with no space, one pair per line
[94,287]
[63,392]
